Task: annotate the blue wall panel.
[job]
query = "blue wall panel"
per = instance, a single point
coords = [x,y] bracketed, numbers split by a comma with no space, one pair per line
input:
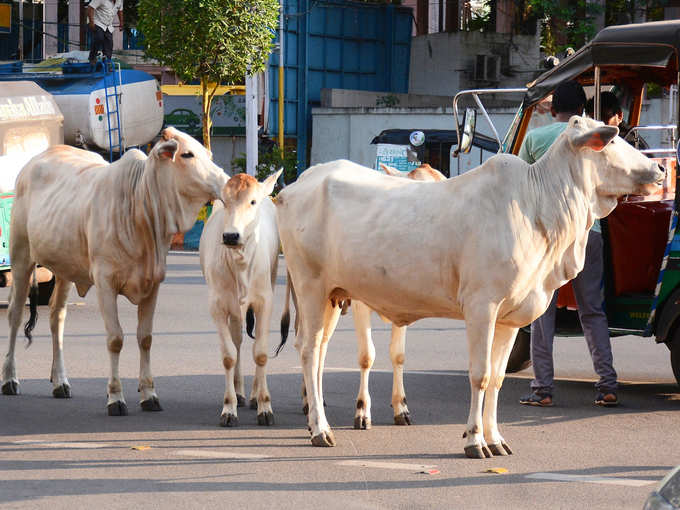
[337,44]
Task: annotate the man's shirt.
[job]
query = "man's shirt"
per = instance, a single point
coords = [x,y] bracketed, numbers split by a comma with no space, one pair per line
[104,12]
[538,141]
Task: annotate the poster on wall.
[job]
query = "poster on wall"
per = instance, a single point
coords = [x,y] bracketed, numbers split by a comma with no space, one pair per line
[401,157]
[228,114]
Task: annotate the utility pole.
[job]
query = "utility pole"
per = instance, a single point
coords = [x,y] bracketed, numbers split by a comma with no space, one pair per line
[21,29]
[251,124]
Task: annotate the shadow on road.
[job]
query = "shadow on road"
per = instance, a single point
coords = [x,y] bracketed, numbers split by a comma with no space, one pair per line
[195,401]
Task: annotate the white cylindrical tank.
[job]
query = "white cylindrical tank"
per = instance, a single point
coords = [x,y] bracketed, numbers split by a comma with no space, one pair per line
[82,101]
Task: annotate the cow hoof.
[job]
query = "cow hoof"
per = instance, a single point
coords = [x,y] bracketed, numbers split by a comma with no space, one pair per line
[62,391]
[305,409]
[497,449]
[477,452]
[117,409]
[324,439]
[402,419]
[10,388]
[240,401]
[253,403]
[265,418]
[362,423]
[228,420]
[151,405]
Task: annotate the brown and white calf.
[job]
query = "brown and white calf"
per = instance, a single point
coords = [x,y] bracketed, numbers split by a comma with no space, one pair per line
[518,233]
[239,252]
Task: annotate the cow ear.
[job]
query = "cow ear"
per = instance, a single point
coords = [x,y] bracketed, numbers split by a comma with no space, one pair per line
[596,139]
[167,149]
[389,170]
[269,183]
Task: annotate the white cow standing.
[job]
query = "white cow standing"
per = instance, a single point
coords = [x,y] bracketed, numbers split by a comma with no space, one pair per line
[489,247]
[239,252]
[362,324]
[107,225]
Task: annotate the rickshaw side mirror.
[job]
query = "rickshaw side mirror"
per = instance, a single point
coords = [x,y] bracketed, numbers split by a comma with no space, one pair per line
[469,123]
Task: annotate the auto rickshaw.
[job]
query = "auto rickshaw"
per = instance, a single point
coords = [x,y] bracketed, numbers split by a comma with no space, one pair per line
[641,245]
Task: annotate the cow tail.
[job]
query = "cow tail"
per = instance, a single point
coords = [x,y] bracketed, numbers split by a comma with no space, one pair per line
[33,308]
[250,321]
[285,317]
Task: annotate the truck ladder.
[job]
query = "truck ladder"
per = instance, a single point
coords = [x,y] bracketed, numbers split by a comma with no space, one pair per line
[112,82]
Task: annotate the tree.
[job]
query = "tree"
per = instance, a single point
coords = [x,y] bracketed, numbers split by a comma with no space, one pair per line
[214,41]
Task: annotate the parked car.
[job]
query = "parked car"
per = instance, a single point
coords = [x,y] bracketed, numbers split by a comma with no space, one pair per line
[666,496]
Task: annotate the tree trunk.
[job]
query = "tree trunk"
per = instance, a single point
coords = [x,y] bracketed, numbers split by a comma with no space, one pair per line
[205,103]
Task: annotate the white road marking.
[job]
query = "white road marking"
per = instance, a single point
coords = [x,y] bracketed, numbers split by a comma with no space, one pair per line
[560,477]
[219,455]
[63,445]
[385,465]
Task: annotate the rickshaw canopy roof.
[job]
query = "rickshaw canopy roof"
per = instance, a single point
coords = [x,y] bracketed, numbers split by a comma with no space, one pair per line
[625,53]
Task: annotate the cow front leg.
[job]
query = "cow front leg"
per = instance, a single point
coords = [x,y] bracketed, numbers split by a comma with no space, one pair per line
[398,357]
[236,330]
[21,271]
[108,307]
[61,387]
[366,355]
[222,319]
[504,338]
[260,393]
[148,397]
[479,322]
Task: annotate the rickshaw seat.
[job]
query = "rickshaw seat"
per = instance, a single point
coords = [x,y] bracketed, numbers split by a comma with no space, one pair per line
[638,233]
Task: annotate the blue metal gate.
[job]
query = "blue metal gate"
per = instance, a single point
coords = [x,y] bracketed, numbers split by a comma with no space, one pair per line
[336,44]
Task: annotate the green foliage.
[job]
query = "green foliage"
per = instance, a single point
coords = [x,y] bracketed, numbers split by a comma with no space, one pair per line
[214,41]
[211,40]
[269,160]
[387,101]
[565,24]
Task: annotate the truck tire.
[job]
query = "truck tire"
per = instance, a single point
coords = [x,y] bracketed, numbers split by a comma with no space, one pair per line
[45,291]
[520,357]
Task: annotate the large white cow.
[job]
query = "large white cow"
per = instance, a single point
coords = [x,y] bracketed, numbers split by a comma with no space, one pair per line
[107,225]
[489,247]
[239,256]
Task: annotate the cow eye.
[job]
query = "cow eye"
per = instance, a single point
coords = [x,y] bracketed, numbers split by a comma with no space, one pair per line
[252,202]
[188,154]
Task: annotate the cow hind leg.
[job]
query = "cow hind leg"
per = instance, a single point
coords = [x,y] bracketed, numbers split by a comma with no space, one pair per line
[260,393]
[398,357]
[479,324]
[60,385]
[366,355]
[330,322]
[22,267]
[315,312]
[148,398]
[503,341]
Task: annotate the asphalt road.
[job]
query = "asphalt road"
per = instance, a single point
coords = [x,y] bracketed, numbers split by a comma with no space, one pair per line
[69,454]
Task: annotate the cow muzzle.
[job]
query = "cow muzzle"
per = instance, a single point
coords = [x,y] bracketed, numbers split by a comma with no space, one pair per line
[232,239]
[651,181]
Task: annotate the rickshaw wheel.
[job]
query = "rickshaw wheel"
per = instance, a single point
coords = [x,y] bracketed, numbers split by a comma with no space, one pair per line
[675,357]
[520,357]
